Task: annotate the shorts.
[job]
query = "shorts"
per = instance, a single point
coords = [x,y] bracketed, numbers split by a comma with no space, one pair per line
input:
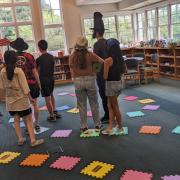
[113,88]
[47,87]
[34,90]
[21,113]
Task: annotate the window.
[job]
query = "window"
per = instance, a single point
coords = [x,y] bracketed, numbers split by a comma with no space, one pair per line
[109,25]
[175,22]
[16,21]
[163,22]
[141,26]
[152,24]
[53,24]
[125,29]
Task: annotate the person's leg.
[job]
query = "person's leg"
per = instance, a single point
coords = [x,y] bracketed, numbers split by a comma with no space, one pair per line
[17,127]
[57,115]
[101,86]
[29,123]
[36,112]
[49,105]
[93,101]
[116,111]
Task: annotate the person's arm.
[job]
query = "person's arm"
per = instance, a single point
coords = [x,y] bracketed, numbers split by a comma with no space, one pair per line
[36,75]
[97,59]
[107,64]
[2,87]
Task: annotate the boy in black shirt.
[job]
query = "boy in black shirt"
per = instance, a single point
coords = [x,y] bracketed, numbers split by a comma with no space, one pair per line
[45,64]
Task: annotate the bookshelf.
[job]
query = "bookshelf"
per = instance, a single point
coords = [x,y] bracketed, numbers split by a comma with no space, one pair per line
[126,52]
[62,74]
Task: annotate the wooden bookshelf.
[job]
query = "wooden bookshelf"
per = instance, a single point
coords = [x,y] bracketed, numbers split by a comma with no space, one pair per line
[151,57]
[126,52]
[62,74]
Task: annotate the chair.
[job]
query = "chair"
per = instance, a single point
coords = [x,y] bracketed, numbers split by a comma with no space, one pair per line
[133,72]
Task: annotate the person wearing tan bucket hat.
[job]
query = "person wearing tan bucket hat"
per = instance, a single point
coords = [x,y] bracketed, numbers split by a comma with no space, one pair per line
[27,62]
[80,62]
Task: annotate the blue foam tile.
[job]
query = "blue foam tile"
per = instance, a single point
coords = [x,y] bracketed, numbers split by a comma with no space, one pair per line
[62,108]
[135,114]
[176,130]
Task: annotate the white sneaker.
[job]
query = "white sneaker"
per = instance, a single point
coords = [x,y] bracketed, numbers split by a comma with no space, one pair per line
[107,132]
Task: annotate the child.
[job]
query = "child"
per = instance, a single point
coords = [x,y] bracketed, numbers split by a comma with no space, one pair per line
[80,63]
[114,67]
[45,64]
[18,98]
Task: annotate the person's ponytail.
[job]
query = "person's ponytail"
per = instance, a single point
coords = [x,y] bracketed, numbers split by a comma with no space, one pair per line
[10,59]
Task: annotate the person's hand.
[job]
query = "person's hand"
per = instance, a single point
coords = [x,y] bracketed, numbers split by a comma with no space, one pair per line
[32,101]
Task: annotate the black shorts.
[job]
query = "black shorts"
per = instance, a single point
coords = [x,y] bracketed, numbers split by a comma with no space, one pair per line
[34,90]
[47,86]
[21,113]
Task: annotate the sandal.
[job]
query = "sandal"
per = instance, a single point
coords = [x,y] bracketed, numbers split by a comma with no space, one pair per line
[37,142]
[107,132]
[51,118]
[37,128]
[22,141]
[57,115]
[85,130]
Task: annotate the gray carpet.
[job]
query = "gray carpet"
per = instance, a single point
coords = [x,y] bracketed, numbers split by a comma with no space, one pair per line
[157,154]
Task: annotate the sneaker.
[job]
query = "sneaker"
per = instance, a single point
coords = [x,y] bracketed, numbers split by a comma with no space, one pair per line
[107,132]
[57,115]
[51,119]
[37,142]
[85,130]
[104,120]
[37,128]
[22,141]
[98,128]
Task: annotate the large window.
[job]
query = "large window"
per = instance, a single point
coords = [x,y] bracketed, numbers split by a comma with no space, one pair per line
[125,29]
[53,24]
[109,25]
[152,24]
[163,22]
[175,22]
[141,26]
[16,21]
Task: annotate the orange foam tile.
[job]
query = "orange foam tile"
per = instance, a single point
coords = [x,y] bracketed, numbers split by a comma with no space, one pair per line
[150,129]
[35,160]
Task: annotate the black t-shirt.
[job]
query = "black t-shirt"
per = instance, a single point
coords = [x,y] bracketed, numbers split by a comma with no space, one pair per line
[45,64]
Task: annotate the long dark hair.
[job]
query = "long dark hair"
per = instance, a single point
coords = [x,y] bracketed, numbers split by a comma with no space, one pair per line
[10,59]
[81,57]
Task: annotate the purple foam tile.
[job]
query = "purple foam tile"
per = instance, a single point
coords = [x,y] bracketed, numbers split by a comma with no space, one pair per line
[151,107]
[176,177]
[61,133]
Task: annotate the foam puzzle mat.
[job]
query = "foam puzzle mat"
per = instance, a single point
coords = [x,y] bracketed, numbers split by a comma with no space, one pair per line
[92,133]
[35,160]
[65,163]
[135,114]
[151,107]
[176,130]
[7,157]
[73,111]
[89,114]
[150,130]
[136,175]
[62,108]
[61,133]
[119,133]
[171,177]
[43,108]
[62,93]
[97,169]
[146,101]
[130,98]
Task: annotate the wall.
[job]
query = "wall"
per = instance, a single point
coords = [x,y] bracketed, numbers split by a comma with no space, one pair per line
[72,17]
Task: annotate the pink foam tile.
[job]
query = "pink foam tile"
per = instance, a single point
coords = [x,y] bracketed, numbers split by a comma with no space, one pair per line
[176,177]
[136,175]
[62,93]
[61,133]
[130,98]
[65,162]
[89,113]
[72,94]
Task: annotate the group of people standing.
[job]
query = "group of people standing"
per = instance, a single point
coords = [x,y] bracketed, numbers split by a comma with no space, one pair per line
[108,54]
[23,78]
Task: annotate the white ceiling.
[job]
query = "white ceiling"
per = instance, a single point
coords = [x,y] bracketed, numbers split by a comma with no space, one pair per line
[87,2]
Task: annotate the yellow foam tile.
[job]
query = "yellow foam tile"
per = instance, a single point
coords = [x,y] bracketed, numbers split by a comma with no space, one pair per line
[7,157]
